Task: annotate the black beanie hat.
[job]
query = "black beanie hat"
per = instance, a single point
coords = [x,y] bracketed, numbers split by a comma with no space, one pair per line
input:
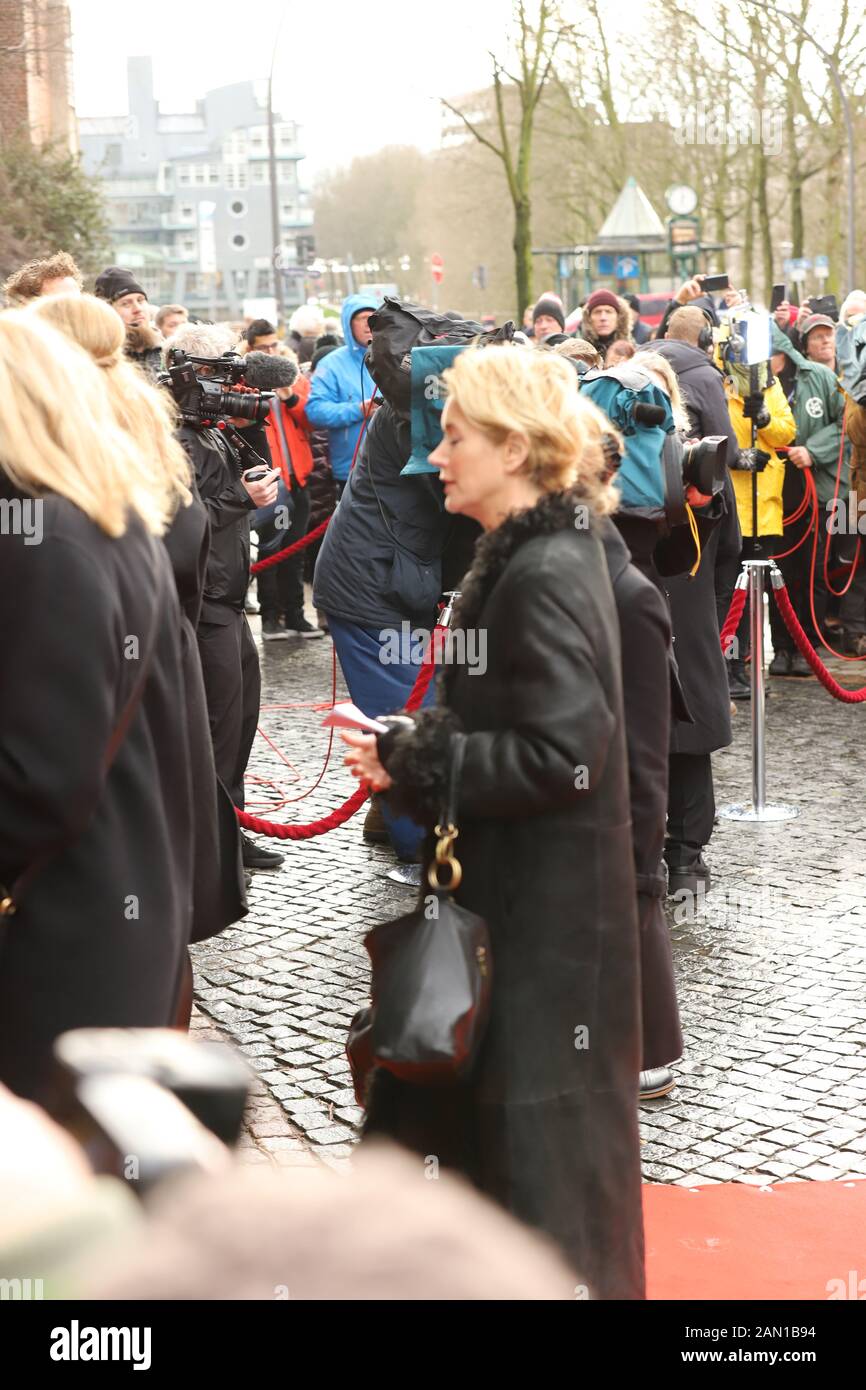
[115,282]
[552,309]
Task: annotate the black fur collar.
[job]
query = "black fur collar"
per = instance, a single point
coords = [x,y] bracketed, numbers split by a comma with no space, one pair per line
[555,511]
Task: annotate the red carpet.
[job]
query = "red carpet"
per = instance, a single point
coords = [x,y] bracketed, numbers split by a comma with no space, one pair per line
[734,1240]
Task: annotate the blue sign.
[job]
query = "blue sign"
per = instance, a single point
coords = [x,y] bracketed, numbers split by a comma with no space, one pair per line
[605,265]
[787,266]
[627,267]
[563,267]
[822,262]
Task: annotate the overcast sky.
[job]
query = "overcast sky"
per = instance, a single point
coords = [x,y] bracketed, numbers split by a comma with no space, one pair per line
[356,75]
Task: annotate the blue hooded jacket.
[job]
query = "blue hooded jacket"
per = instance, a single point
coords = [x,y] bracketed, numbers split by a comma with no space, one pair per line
[340,383]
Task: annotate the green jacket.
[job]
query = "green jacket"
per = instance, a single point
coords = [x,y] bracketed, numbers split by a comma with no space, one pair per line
[818,404]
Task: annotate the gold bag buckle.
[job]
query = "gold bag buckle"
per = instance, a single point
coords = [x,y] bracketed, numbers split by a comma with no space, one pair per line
[445,857]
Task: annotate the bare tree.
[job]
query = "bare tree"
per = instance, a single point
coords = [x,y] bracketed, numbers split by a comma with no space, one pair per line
[519,93]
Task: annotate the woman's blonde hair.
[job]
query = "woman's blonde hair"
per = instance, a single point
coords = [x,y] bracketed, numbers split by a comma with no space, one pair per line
[59,433]
[654,362]
[505,390]
[144,412]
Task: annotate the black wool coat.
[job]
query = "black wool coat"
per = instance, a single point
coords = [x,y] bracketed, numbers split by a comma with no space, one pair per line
[104,921]
[645,641]
[219,895]
[547,1126]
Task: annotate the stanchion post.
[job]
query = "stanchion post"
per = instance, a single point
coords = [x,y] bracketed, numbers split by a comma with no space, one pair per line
[758,809]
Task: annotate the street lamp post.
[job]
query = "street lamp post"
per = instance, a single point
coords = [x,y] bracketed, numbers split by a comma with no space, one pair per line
[849,125]
[276,239]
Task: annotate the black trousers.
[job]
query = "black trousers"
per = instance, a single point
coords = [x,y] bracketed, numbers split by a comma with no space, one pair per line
[691,807]
[852,607]
[281,588]
[232,682]
[727,573]
[796,568]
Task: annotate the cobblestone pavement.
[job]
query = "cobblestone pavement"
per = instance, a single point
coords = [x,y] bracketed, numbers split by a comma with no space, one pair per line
[771,970]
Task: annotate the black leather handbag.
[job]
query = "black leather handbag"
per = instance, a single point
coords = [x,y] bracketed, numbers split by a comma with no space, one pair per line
[431,978]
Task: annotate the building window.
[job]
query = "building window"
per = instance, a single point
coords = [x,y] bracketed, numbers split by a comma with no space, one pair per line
[263,282]
[239,241]
[240,282]
[184,175]
[237,207]
[187,212]
[261,173]
[286,172]
[236,176]
[214,174]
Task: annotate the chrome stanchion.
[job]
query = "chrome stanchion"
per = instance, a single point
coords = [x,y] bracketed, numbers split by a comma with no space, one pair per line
[758,809]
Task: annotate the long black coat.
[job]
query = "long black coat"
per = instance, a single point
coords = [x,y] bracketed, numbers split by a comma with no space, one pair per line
[547,1126]
[645,640]
[102,926]
[219,895]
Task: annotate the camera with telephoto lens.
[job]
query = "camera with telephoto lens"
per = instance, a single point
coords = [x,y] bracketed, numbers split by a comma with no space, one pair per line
[204,395]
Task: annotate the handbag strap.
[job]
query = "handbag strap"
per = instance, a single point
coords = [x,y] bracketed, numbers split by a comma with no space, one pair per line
[446,830]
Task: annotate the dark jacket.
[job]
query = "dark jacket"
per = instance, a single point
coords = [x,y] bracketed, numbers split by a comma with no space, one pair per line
[103,925]
[217,475]
[645,641]
[381,557]
[219,895]
[703,388]
[548,1124]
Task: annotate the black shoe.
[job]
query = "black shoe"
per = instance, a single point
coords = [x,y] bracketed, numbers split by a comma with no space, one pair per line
[255,857]
[299,627]
[738,686]
[271,630]
[781,663]
[691,878]
[658,1081]
[800,666]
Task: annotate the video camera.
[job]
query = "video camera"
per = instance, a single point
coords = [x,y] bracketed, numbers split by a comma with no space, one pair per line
[204,396]
[657,466]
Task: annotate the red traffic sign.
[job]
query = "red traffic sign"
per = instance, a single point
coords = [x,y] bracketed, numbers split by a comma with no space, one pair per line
[437,267]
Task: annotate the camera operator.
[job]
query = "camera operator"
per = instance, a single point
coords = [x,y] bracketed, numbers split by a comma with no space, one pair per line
[229,659]
[691,798]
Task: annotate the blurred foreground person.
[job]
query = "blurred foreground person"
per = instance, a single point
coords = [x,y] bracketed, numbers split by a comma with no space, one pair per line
[56,274]
[547,1123]
[96,795]
[146,415]
[228,1231]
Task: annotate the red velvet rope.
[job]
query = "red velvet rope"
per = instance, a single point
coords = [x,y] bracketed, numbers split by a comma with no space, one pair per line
[357,799]
[732,621]
[792,623]
[290,550]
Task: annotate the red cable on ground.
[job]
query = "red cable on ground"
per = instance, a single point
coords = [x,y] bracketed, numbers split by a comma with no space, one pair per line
[357,799]
[792,623]
[735,613]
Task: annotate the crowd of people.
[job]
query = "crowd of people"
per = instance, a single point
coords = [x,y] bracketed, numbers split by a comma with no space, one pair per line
[577,754]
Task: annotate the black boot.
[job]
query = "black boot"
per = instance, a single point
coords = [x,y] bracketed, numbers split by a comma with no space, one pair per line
[738,683]
[256,857]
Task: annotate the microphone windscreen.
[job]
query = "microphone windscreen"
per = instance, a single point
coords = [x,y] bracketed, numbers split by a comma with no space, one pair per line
[266,371]
[648,414]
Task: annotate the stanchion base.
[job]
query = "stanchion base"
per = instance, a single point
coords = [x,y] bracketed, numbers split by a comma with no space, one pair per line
[746,811]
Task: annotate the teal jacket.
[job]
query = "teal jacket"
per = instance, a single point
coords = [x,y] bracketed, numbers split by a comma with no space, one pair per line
[818,405]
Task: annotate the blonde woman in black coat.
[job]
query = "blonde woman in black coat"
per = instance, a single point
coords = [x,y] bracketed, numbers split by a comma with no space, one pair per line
[547,1125]
[96,794]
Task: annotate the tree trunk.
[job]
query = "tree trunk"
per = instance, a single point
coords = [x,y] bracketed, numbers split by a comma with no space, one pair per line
[523,255]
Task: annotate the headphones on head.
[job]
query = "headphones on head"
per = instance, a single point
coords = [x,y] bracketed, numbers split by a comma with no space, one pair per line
[705,339]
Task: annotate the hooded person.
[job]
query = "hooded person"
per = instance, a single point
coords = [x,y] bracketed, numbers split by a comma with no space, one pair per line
[606,317]
[343,388]
[122,291]
[817,403]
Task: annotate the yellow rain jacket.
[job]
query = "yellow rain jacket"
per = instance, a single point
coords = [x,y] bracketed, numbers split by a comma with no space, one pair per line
[780,431]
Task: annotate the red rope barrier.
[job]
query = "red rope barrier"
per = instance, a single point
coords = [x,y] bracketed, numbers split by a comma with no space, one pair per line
[291,550]
[829,682]
[735,613]
[357,799]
